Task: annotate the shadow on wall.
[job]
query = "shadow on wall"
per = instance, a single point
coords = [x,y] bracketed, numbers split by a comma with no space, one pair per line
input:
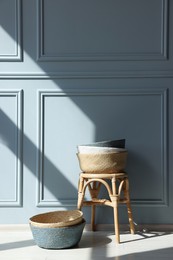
[7,130]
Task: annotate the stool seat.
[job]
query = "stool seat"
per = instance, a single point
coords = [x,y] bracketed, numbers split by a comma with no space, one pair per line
[119,186]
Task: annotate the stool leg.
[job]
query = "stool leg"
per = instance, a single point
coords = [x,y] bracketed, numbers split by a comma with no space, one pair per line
[129,210]
[80,193]
[94,191]
[93,207]
[80,201]
[116,221]
[114,199]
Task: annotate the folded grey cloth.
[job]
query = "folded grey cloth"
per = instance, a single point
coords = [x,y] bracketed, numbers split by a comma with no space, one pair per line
[110,143]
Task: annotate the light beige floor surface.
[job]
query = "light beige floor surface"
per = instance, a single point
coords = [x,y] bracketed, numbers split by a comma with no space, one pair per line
[18,244]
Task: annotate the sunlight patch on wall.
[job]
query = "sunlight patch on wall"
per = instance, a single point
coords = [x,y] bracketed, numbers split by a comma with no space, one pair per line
[7,45]
[63,126]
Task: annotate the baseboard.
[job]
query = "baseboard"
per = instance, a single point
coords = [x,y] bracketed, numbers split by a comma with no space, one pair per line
[138,227]
[98,227]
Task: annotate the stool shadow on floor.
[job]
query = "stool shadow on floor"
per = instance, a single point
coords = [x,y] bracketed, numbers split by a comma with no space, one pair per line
[99,238]
[144,235]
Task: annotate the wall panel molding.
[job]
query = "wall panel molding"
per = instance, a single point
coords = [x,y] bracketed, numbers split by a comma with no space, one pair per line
[17,40]
[106,55]
[90,75]
[161,94]
[164,201]
[40,201]
[16,125]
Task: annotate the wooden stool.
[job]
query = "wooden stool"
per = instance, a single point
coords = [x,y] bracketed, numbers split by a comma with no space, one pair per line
[119,183]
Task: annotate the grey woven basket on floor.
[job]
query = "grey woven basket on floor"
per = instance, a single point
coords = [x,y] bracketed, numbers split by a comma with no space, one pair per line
[58,238]
[57,229]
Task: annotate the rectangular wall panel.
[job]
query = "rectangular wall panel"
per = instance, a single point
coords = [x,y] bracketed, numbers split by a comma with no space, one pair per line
[10,148]
[10,30]
[72,118]
[102,30]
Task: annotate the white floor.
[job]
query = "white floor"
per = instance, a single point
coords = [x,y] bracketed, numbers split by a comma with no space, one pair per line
[16,243]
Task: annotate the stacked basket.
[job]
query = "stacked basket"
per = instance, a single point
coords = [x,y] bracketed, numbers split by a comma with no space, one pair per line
[57,229]
[103,157]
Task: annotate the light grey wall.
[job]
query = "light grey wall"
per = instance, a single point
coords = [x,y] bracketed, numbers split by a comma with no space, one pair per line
[74,72]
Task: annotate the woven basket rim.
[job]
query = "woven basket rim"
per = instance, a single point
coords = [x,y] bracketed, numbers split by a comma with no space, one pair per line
[57,218]
[99,150]
[104,153]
